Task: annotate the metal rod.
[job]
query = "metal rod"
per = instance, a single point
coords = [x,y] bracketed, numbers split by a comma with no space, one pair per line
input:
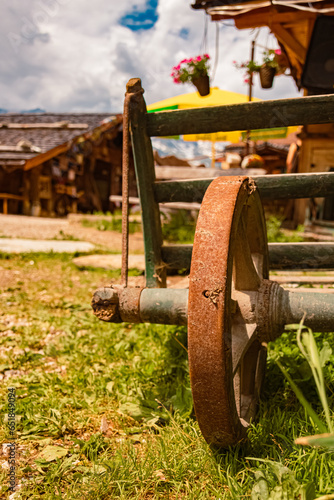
[271,187]
[250,92]
[166,306]
[125,191]
[319,309]
[170,306]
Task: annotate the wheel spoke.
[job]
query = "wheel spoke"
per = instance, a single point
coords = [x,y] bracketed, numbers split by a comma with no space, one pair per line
[245,275]
[243,336]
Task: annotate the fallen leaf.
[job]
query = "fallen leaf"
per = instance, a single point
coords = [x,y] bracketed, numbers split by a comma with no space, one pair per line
[51,453]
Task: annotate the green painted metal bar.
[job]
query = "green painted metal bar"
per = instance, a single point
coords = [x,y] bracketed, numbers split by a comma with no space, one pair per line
[319,309]
[167,306]
[281,256]
[250,116]
[144,166]
[170,306]
[271,187]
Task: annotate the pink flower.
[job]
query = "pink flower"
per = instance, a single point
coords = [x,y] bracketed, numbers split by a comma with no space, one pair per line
[247,80]
[278,52]
[178,67]
[177,80]
[234,62]
[184,61]
[198,58]
[206,56]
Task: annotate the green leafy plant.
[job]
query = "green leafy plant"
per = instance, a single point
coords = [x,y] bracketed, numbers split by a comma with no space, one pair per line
[270,58]
[189,69]
[179,227]
[316,361]
[276,234]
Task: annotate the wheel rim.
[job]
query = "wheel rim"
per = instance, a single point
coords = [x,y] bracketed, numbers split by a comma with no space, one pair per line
[226,360]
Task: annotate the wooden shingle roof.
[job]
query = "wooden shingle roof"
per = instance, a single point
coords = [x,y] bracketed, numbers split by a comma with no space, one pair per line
[24,136]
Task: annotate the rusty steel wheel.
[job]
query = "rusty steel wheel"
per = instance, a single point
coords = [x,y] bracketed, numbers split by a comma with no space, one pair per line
[229,261]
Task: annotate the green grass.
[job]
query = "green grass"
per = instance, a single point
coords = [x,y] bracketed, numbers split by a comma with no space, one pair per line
[111,222]
[71,370]
[179,227]
[275,233]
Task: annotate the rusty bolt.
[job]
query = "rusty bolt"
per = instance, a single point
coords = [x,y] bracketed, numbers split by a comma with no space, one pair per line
[105,304]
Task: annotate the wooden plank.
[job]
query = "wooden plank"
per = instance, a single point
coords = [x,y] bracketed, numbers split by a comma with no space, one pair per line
[8,196]
[301,256]
[303,280]
[264,17]
[41,126]
[281,256]
[271,187]
[43,157]
[252,115]
[285,186]
[144,167]
[181,206]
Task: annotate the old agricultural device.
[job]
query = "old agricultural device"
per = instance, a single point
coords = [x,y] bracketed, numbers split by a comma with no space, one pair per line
[231,307]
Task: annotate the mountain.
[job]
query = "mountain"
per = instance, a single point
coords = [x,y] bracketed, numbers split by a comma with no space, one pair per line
[36,110]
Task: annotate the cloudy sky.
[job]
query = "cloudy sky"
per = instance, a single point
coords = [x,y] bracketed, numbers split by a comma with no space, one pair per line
[77,55]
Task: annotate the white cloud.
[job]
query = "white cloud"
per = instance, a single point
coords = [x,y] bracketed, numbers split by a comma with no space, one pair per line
[71,55]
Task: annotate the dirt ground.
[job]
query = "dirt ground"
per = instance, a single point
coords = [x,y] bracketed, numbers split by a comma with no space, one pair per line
[40,228]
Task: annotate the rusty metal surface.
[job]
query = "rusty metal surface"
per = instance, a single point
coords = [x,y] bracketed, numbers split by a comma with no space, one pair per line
[105,304]
[129,304]
[230,234]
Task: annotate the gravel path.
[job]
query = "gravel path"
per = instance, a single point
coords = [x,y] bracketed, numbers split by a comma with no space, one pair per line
[41,228]
[19,245]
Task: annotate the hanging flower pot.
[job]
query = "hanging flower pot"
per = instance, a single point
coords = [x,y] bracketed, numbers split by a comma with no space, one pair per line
[195,71]
[267,74]
[202,83]
[274,63]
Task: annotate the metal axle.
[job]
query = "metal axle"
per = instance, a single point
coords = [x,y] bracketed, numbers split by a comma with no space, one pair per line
[271,307]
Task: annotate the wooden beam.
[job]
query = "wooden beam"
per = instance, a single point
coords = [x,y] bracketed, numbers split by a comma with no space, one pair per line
[289,41]
[271,187]
[144,166]
[266,16]
[281,256]
[43,157]
[9,196]
[253,115]
[56,125]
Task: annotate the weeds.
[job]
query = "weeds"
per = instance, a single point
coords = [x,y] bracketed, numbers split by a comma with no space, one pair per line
[105,411]
[113,223]
[276,234]
[178,227]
